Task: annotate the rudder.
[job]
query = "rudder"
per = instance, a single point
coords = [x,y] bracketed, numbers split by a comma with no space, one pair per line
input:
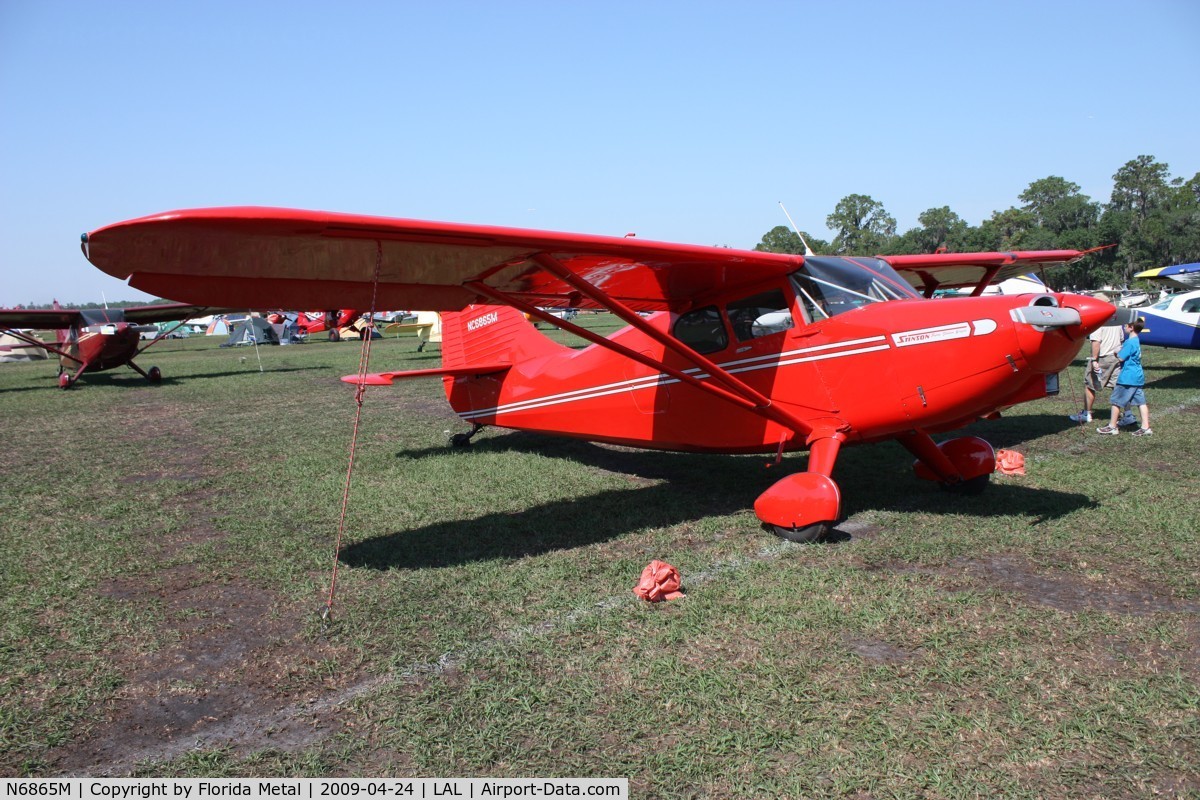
[487,334]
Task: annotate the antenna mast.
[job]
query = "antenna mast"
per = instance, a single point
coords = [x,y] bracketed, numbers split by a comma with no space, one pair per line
[807,250]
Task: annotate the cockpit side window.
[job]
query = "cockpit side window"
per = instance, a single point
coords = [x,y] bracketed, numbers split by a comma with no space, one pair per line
[702,330]
[760,315]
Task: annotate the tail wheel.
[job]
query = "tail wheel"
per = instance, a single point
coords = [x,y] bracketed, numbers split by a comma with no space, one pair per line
[464,439]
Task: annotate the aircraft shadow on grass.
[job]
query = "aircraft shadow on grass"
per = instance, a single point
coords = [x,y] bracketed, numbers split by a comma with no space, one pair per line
[670,489]
[1008,432]
[129,379]
[1172,377]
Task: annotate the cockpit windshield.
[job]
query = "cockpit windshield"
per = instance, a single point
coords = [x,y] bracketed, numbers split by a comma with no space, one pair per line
[101,316]
[829,285]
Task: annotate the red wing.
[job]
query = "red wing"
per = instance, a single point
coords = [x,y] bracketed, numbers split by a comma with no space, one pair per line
[271,258]
[955,270]
[49,319]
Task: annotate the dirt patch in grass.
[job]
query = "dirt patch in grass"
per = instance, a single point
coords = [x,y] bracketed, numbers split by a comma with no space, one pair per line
[227,664]
[237,670]
[1064,591]
[877,651]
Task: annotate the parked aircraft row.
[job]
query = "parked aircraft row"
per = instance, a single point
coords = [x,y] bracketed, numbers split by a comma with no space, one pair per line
[788,352]
[97,340]
[742,351]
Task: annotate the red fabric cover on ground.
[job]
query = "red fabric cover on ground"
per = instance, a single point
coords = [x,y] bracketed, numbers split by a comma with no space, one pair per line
[1010,462]
[660,581]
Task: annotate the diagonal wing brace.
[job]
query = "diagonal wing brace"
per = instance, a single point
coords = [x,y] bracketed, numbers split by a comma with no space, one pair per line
[731,390]
[47,346]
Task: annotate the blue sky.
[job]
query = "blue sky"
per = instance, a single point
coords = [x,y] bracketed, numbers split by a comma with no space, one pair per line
[683,122]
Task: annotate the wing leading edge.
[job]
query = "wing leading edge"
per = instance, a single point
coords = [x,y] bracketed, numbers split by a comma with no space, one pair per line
[256,257]
[270,257]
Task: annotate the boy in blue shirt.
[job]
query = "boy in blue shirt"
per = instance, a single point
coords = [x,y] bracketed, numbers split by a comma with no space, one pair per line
[1130,383]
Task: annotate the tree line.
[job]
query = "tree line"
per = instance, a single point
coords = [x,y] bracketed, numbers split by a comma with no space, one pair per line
[1150,220]
[85,306]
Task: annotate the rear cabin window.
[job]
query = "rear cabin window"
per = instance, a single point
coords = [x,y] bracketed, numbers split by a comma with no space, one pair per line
[702,330]
[760,315]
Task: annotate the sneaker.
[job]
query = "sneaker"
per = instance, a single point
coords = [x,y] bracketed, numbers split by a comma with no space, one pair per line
[1108,430]
[1082,416]
[1143,432]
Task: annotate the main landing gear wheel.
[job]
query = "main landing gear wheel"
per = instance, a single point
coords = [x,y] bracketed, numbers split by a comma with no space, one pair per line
[64,380]
[806,535]
[334,336]
[154,375]
[800,508]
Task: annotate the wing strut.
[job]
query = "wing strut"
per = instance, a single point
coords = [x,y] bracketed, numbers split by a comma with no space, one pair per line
[43,345]
[620,349]
[759,403]
[985,281]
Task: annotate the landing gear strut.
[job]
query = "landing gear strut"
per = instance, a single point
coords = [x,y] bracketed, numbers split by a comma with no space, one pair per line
[65,379]
[154,374]
[803,507]
[960,466]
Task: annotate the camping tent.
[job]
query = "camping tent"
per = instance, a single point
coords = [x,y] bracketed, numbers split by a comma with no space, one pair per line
[252,330]
[217,327]
[13,349]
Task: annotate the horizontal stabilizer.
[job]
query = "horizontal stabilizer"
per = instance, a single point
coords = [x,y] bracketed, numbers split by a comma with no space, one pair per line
[386,378]
[1046,316]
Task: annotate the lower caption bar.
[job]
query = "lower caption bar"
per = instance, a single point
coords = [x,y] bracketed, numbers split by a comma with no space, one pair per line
[313,788]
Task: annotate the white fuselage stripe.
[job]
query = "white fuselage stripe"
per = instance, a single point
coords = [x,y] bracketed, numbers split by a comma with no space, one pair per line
[733,367]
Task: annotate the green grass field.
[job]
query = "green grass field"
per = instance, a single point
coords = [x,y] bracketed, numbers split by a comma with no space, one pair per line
[167,553]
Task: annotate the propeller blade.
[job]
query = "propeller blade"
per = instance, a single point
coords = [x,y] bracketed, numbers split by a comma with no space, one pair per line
[1046,316]
[1122,316]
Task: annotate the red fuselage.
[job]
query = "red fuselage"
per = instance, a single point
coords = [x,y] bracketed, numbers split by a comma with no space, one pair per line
[98,347]
[872,373]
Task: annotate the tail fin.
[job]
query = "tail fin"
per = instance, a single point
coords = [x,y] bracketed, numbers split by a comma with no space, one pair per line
[478,341]
[490,334]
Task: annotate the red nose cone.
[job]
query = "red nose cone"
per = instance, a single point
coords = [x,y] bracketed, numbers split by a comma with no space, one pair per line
[1092,312]
[1051,349]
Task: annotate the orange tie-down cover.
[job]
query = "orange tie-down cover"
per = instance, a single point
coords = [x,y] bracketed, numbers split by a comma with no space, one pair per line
[660,581]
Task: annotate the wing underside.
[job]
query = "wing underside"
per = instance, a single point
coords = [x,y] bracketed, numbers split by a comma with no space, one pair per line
[48,319]
[934,271]
[270,258]
[251,257]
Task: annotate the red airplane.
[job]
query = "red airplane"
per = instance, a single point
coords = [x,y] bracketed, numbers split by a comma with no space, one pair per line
[749,352]
[310,322]
[97,339]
